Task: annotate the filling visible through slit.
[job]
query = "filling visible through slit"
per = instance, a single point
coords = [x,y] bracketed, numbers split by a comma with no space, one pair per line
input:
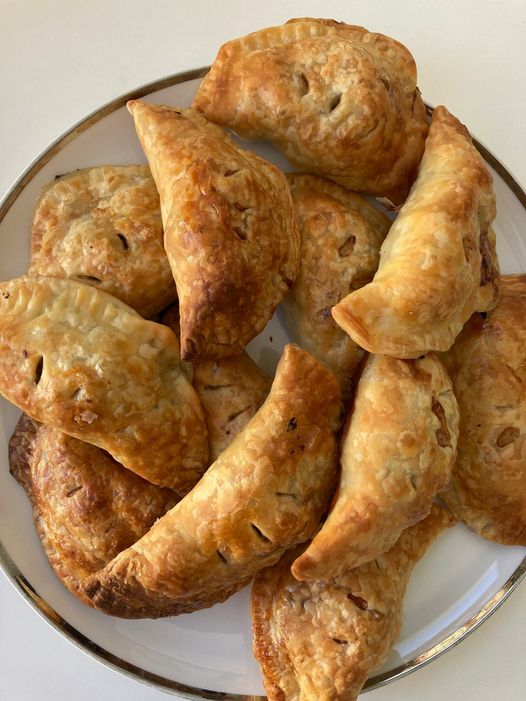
[39,369]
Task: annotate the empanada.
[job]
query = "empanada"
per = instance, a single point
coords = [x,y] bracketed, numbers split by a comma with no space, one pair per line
[338,100]
[80,360]
[229,228]
[438,263]
[341,235]
[231,390]
[87,508]
[398,449]
[102,226]
[265,493]
[318,641]
[488,367]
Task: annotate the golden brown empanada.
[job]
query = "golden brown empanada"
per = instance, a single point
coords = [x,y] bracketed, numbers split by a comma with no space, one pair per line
[229,227]
[398,449]
[102,226]
[438,263]
[80,360]
[338,100]
[488,367]
[87,508]
[341,235]
[264,494]
[231,390]
[318,641]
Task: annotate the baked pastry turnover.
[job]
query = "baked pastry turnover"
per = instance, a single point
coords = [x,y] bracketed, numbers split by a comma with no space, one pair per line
[102,226]
[397,452]
[338,100]
[79,360]
[341,235]
[318,641]
[438,263]
[229,226]
[265,493]
[488,367]
[87,508]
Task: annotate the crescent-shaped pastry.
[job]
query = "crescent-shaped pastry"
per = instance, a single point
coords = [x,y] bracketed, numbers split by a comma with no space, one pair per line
[398,449]
[87,508]
[265,493]
[80,360]
[338,100]
[341,235]
[102,226]
[230,230]
[488,367]
[231,390]
[318,641]
[438,263]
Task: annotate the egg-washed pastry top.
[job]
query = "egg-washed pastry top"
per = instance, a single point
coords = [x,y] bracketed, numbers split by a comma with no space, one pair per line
[230,230]
[341,235]
[86,507]
[336,99]
[319,640]
[265,493]
[398,447]
[488,367]
[81,361]
[438,263]
[102,226]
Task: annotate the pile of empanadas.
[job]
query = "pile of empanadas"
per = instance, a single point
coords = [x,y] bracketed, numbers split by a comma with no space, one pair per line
[165,469]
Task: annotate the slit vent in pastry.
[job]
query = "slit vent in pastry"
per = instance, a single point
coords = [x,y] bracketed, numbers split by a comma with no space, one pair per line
[319,640]
[398,449]
[266,493]
[438,263]
[230,230]
[336,99]
[83,362]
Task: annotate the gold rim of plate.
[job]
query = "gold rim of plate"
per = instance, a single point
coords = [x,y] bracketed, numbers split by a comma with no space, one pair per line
[76,637]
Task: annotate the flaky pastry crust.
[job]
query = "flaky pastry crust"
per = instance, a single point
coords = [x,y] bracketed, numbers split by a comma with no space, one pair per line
[318,641]
[338,100]
[341,235]
[438,263]
[87,508]
[488,367]
[265,493]
[80,360]
[102,226]
[230,230]
[398,449]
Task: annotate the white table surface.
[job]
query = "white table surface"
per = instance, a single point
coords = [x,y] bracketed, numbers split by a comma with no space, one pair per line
[60,59]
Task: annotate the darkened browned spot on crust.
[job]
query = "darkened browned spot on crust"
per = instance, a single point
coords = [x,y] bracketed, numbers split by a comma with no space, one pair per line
[442,434]
[488,271]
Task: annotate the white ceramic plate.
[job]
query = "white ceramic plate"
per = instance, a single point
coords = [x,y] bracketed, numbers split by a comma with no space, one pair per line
[207,655]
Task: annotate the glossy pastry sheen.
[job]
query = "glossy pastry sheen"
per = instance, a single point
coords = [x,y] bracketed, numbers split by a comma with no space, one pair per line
[231,390]
[398,449]
[341,235]
[87,508]
[79,360]
[318,641]
[102,226]
[265,493]
[338,100]
[438,263]
[229,225]
[488,367]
